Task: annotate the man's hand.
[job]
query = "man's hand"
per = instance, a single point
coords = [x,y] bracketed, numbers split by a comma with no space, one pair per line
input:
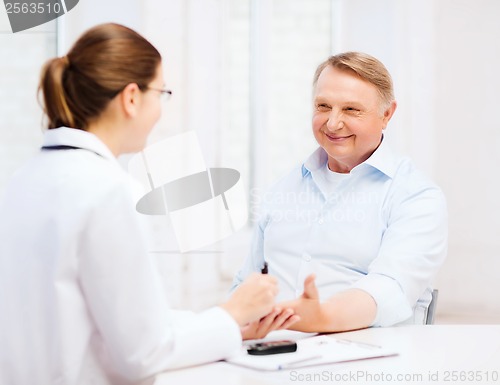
[307,307]
[310,289]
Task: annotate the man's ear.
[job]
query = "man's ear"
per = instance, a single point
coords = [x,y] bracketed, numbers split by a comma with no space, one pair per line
[389,111]
[130,98]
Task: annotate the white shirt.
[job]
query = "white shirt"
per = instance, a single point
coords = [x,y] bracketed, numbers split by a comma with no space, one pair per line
[80,299]
[381,228]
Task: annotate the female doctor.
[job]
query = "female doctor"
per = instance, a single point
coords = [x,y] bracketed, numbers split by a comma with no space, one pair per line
[80,300]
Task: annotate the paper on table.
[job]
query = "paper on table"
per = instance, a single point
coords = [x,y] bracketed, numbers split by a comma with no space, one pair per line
[318,350]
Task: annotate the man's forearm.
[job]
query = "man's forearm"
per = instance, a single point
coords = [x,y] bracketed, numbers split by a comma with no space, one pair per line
[349,310]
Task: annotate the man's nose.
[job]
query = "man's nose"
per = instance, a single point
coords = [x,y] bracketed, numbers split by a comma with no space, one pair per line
[334,121]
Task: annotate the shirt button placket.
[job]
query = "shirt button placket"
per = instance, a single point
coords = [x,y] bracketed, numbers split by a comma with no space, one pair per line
[306,258]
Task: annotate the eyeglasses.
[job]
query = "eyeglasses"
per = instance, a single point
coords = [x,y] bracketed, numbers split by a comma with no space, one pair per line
[165,94]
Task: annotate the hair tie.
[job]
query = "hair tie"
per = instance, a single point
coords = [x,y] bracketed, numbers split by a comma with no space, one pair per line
[65,60]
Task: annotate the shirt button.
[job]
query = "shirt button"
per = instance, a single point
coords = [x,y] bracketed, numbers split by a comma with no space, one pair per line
[306,257]
[321,221]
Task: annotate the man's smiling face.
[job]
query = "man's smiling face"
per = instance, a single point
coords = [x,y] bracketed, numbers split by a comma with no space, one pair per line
[348,118]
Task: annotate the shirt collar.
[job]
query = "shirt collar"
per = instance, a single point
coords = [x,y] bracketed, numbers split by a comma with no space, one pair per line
[64,136]
[382,159]
[315,161]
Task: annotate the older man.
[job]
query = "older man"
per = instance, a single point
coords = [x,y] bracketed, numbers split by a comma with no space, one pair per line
[355,234]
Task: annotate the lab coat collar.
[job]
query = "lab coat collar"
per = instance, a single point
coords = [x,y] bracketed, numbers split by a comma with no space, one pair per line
[382,159]
[64,136]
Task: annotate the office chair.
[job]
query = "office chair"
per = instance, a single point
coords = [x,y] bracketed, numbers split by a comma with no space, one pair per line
[432,308]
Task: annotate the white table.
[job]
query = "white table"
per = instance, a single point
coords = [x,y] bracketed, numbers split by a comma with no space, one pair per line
[437,354]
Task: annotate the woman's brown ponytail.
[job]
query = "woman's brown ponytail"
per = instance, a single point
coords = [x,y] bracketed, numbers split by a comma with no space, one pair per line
[55,105]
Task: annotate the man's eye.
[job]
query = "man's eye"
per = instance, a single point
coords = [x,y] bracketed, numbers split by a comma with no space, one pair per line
[322,106]
[352,109]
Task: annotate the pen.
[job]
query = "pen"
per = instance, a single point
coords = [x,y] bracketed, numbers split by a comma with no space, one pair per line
[264,269]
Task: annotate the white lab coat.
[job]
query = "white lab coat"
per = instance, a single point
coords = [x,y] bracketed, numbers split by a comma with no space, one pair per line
[80,299]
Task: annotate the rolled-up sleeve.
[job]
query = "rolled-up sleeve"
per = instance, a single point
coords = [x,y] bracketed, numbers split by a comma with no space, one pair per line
[413,248]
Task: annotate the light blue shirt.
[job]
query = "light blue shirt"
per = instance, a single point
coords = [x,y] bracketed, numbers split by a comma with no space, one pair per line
[381,228]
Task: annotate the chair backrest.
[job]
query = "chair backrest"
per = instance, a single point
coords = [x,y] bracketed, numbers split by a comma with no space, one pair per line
[432,308]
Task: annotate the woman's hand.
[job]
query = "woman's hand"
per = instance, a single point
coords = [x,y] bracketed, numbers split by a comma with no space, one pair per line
[253,299]
[276,320]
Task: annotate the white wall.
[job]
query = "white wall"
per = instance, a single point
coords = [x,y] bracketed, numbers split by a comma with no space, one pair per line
[468,140]
[22,56]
